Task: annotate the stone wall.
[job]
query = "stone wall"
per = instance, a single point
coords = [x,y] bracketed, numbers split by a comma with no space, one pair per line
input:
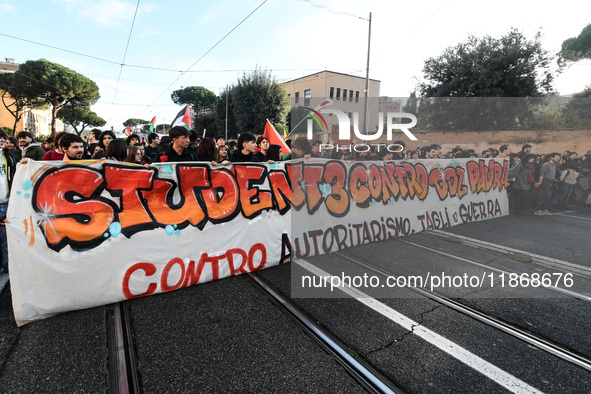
[543,141]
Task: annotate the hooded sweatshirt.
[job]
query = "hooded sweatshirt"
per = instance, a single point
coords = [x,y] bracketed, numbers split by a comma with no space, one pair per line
[33,151]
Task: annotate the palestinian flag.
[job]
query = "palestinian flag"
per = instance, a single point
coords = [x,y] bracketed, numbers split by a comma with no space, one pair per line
[152,124]
[274,138]
[183,118]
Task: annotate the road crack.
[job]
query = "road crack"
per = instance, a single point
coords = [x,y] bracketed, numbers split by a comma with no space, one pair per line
[400,338]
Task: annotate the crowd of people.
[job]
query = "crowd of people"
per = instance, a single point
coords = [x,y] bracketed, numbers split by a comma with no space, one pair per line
[544,182]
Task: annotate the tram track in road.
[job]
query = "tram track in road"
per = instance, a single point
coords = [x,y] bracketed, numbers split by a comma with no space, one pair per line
[371,379]
[123,376]
[547,346]
[124,359]
[545,261]
[561,290]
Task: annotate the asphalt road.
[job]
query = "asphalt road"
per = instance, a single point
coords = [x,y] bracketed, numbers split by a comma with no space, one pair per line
[225,336]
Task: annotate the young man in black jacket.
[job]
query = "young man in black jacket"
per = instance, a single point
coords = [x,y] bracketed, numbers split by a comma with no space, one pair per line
[179,149]
[246,148]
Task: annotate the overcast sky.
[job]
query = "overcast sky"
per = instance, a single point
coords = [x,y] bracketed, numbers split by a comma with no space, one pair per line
[291,38]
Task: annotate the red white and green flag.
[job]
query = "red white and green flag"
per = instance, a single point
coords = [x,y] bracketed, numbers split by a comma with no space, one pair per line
[128,131]
[183,118]
[152,124]
[274,138]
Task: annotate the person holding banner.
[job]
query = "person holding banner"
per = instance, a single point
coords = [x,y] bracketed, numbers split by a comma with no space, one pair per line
[56,153]
[263,145]
[104,140]
[274,153]
[7,170]
[179,149]
[300,148]
[72,146]
[246,148]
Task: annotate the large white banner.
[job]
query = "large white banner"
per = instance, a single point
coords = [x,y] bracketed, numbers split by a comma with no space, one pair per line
[90,233]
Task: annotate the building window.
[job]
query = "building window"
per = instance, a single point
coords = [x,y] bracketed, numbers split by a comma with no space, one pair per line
[297,97]
[338,93]
[331,92]
[350,96]
[344,94]
[357,96]
[307,95]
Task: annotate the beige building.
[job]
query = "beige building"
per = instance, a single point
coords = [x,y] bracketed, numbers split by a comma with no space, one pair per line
[390,104]
[35,121]
[347,93]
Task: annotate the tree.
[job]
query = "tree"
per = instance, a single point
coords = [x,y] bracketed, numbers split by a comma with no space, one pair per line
[410,107]
[256,97]
[55,84]
[207,121]
[220,115]
[198,97]
[506,67]
[576,48]
[132,122]
[80,116]
[14,100]
[297,121]
[411,104]
[578,109]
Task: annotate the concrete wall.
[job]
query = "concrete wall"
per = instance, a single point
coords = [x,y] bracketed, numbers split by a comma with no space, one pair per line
[543,141]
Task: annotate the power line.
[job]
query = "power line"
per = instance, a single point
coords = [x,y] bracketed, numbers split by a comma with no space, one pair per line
[124,55]
[138,65]
[429,17]
[59,49]
[334,12]
[210,49]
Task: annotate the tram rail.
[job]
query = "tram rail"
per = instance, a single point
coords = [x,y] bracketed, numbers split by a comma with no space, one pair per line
[371,379]
[556,350]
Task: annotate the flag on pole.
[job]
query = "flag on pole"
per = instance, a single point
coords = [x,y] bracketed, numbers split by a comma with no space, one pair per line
[152,124]
[274,138]
[128,131]
[183,118]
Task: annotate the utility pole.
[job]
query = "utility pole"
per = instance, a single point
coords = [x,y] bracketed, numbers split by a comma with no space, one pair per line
[365,125]
[227,94]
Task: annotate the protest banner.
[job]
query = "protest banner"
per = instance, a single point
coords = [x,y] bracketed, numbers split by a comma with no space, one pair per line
[90,233]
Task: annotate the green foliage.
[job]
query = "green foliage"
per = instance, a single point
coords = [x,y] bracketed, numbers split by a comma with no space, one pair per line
[576,48]
[80,116]
[298,124]
[411,104]
[208,121]
[55,84]
[132,122]
[256,97]
[7,130]
[501,68]
[162,128]
[578,109]
[198,97]
[220,115]
[509,66]
[563,113]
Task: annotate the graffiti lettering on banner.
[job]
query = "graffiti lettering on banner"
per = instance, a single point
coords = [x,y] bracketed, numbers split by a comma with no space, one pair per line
[89,233]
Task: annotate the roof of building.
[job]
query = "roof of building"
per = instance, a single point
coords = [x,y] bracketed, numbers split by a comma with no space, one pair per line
[333,72]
